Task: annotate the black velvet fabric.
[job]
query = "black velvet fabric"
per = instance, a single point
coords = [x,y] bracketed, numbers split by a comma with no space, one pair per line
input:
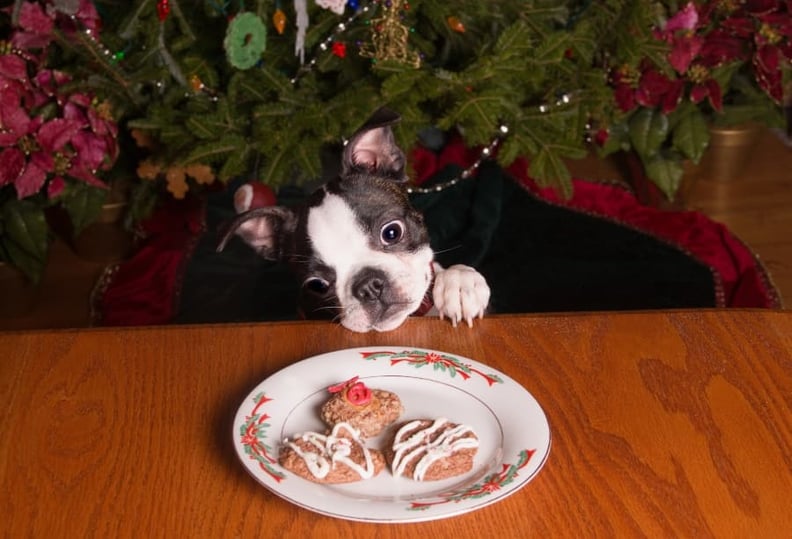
[536,257]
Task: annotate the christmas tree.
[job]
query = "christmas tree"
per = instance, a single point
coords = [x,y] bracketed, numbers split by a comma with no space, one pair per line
[204,91]
[218,89]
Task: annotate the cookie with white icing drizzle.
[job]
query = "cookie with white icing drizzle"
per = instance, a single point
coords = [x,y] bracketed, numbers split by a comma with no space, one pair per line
[338,457]
[429,450]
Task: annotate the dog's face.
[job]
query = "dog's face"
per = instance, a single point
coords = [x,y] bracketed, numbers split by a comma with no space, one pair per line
[359,249]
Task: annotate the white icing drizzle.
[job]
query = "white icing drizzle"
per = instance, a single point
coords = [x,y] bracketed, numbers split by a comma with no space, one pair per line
[333,448]
[442,446]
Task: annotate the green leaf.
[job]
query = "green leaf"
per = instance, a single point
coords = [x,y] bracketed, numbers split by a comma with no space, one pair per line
[691,135]
[25,237]
[666,173]
[648,131]
[83,203]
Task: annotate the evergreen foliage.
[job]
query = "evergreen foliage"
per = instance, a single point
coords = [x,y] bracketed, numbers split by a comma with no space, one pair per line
[538,66]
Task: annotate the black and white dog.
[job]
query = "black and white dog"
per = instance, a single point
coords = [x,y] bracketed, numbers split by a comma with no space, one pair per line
[359,249]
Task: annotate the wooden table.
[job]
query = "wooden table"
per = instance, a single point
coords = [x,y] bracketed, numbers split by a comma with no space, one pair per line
[663,424]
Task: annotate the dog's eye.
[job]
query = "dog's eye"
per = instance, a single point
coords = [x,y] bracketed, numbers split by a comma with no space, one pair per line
[391,232]
[317,285]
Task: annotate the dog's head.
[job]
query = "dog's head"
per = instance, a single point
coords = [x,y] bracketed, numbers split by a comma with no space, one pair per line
[358,248]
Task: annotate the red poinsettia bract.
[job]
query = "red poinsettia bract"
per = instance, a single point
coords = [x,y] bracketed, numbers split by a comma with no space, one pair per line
[47,134]
[703,37]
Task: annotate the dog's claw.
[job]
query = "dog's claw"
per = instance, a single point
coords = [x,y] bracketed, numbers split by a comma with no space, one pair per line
[460,293]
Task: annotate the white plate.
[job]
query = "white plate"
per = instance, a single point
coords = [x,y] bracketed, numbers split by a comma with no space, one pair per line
[514,436]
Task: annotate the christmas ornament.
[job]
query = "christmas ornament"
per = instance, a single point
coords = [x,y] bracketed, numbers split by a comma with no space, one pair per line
[279,21]
[340,29]
[176,180]
[389,37]
[163,9]
[455,24]
[196,84]
[245,41]
[202,174]
[261,196]
[336,6]
[339,49]
[301,10]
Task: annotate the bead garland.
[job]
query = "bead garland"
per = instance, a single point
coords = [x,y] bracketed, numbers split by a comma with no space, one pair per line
[325,45]
[486,153]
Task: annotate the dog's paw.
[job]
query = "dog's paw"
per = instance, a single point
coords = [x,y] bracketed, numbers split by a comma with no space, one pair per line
[460,293]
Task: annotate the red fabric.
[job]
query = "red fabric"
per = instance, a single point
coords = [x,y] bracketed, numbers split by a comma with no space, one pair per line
[143,290]
[740,279]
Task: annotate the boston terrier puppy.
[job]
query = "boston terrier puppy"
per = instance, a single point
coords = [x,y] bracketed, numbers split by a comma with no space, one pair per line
[358,248]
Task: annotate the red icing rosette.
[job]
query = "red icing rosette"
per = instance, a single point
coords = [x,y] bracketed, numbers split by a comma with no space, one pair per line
[353,391]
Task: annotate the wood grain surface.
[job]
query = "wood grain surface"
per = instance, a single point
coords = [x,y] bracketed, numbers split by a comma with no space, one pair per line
[663,424]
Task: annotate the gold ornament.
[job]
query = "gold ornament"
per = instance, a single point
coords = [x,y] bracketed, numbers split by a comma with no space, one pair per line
[196,84]
[279,21]
[389,38]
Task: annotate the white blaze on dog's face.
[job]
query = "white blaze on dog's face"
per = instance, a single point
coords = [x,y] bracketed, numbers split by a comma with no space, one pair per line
[374,259]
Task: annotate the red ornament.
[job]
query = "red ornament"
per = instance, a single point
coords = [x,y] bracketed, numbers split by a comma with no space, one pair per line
[254,195]
[163,9]
[601,137]
[455,24]
[339,49]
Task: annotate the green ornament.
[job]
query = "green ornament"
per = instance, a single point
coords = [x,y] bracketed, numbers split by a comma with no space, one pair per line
[245,40]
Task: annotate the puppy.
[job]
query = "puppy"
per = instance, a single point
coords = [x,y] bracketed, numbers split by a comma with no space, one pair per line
[359,249]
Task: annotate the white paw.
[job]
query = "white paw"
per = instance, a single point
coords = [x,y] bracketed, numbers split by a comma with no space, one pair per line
[460,293]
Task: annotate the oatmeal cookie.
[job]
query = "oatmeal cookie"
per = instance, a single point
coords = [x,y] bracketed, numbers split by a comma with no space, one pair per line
[428,450]
[338,457]
[369,410]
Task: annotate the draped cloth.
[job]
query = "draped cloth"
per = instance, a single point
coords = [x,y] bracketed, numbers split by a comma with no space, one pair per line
[601,249]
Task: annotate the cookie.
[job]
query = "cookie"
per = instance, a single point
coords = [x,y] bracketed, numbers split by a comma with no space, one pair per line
[368,410]
[338,457]
[429,450]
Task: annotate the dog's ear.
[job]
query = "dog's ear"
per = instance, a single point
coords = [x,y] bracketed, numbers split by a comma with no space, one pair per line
[268,230]
[373,148]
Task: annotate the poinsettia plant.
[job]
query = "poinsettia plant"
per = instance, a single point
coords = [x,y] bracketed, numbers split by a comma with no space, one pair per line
[54,142]
[725,64]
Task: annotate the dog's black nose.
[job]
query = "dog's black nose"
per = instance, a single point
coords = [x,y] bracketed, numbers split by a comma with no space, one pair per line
[369,285]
